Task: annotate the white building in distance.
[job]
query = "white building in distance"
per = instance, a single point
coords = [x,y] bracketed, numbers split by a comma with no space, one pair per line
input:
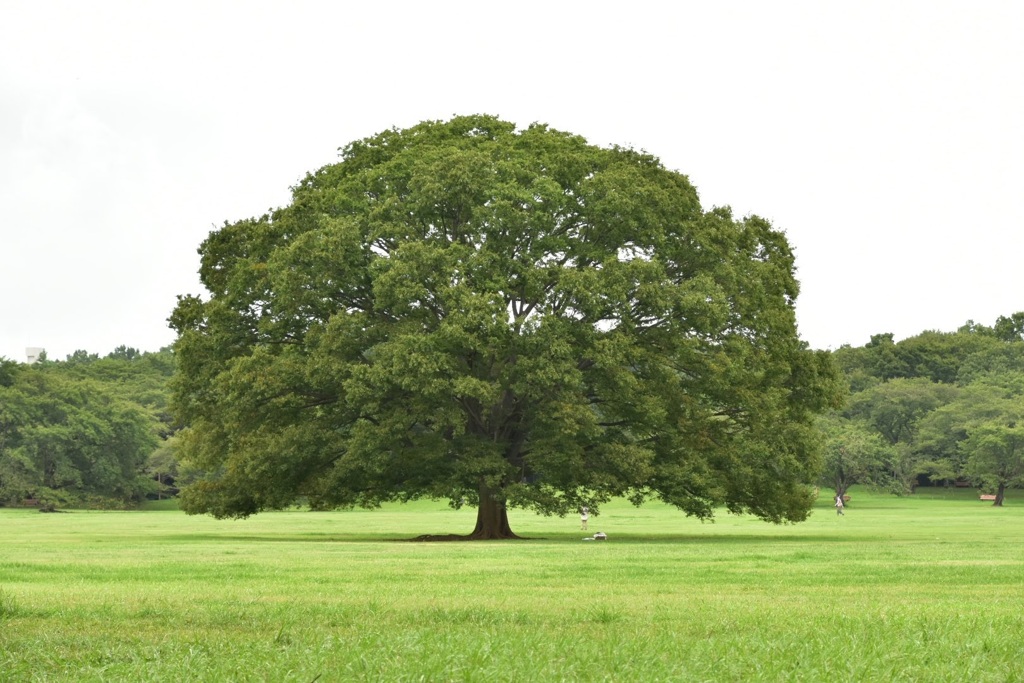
[32,353]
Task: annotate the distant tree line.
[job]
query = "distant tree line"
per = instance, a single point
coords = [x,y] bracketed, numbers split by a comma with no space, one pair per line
[937,408]
[87,431]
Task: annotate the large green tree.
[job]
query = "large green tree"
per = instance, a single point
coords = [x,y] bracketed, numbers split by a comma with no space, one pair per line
[468,311]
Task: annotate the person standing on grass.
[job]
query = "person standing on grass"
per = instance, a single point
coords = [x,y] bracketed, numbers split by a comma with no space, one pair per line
[584,516]
[839,504]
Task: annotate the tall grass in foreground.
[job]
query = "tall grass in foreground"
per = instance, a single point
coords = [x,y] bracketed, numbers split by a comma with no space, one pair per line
[923,588]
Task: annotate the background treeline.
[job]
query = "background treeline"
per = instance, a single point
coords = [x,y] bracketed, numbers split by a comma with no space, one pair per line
[937,408]
[87,431]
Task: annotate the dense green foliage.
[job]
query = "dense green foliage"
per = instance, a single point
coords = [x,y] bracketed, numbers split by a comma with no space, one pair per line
[81,431]
[936,407]
[921,589]
[467,311]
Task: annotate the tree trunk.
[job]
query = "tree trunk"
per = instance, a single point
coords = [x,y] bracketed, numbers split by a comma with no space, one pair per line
[999,495]
[491,518]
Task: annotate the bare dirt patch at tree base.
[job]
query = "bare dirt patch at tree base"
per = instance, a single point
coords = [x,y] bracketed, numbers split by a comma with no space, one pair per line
[444,538]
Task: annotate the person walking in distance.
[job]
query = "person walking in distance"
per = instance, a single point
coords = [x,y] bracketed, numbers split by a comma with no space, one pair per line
[584,516]
[839,504]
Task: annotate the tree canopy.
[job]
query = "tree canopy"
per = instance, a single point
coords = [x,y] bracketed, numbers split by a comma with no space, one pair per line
[468,311]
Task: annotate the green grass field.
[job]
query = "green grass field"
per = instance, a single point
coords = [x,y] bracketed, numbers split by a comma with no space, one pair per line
[922,588]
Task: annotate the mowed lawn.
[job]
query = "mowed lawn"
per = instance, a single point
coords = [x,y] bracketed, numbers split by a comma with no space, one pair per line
[927,587]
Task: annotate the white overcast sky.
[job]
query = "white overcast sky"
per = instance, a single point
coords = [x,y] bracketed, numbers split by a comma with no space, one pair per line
[884,138]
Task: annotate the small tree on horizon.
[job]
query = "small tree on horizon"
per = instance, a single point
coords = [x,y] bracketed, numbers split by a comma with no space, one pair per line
[853,454]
